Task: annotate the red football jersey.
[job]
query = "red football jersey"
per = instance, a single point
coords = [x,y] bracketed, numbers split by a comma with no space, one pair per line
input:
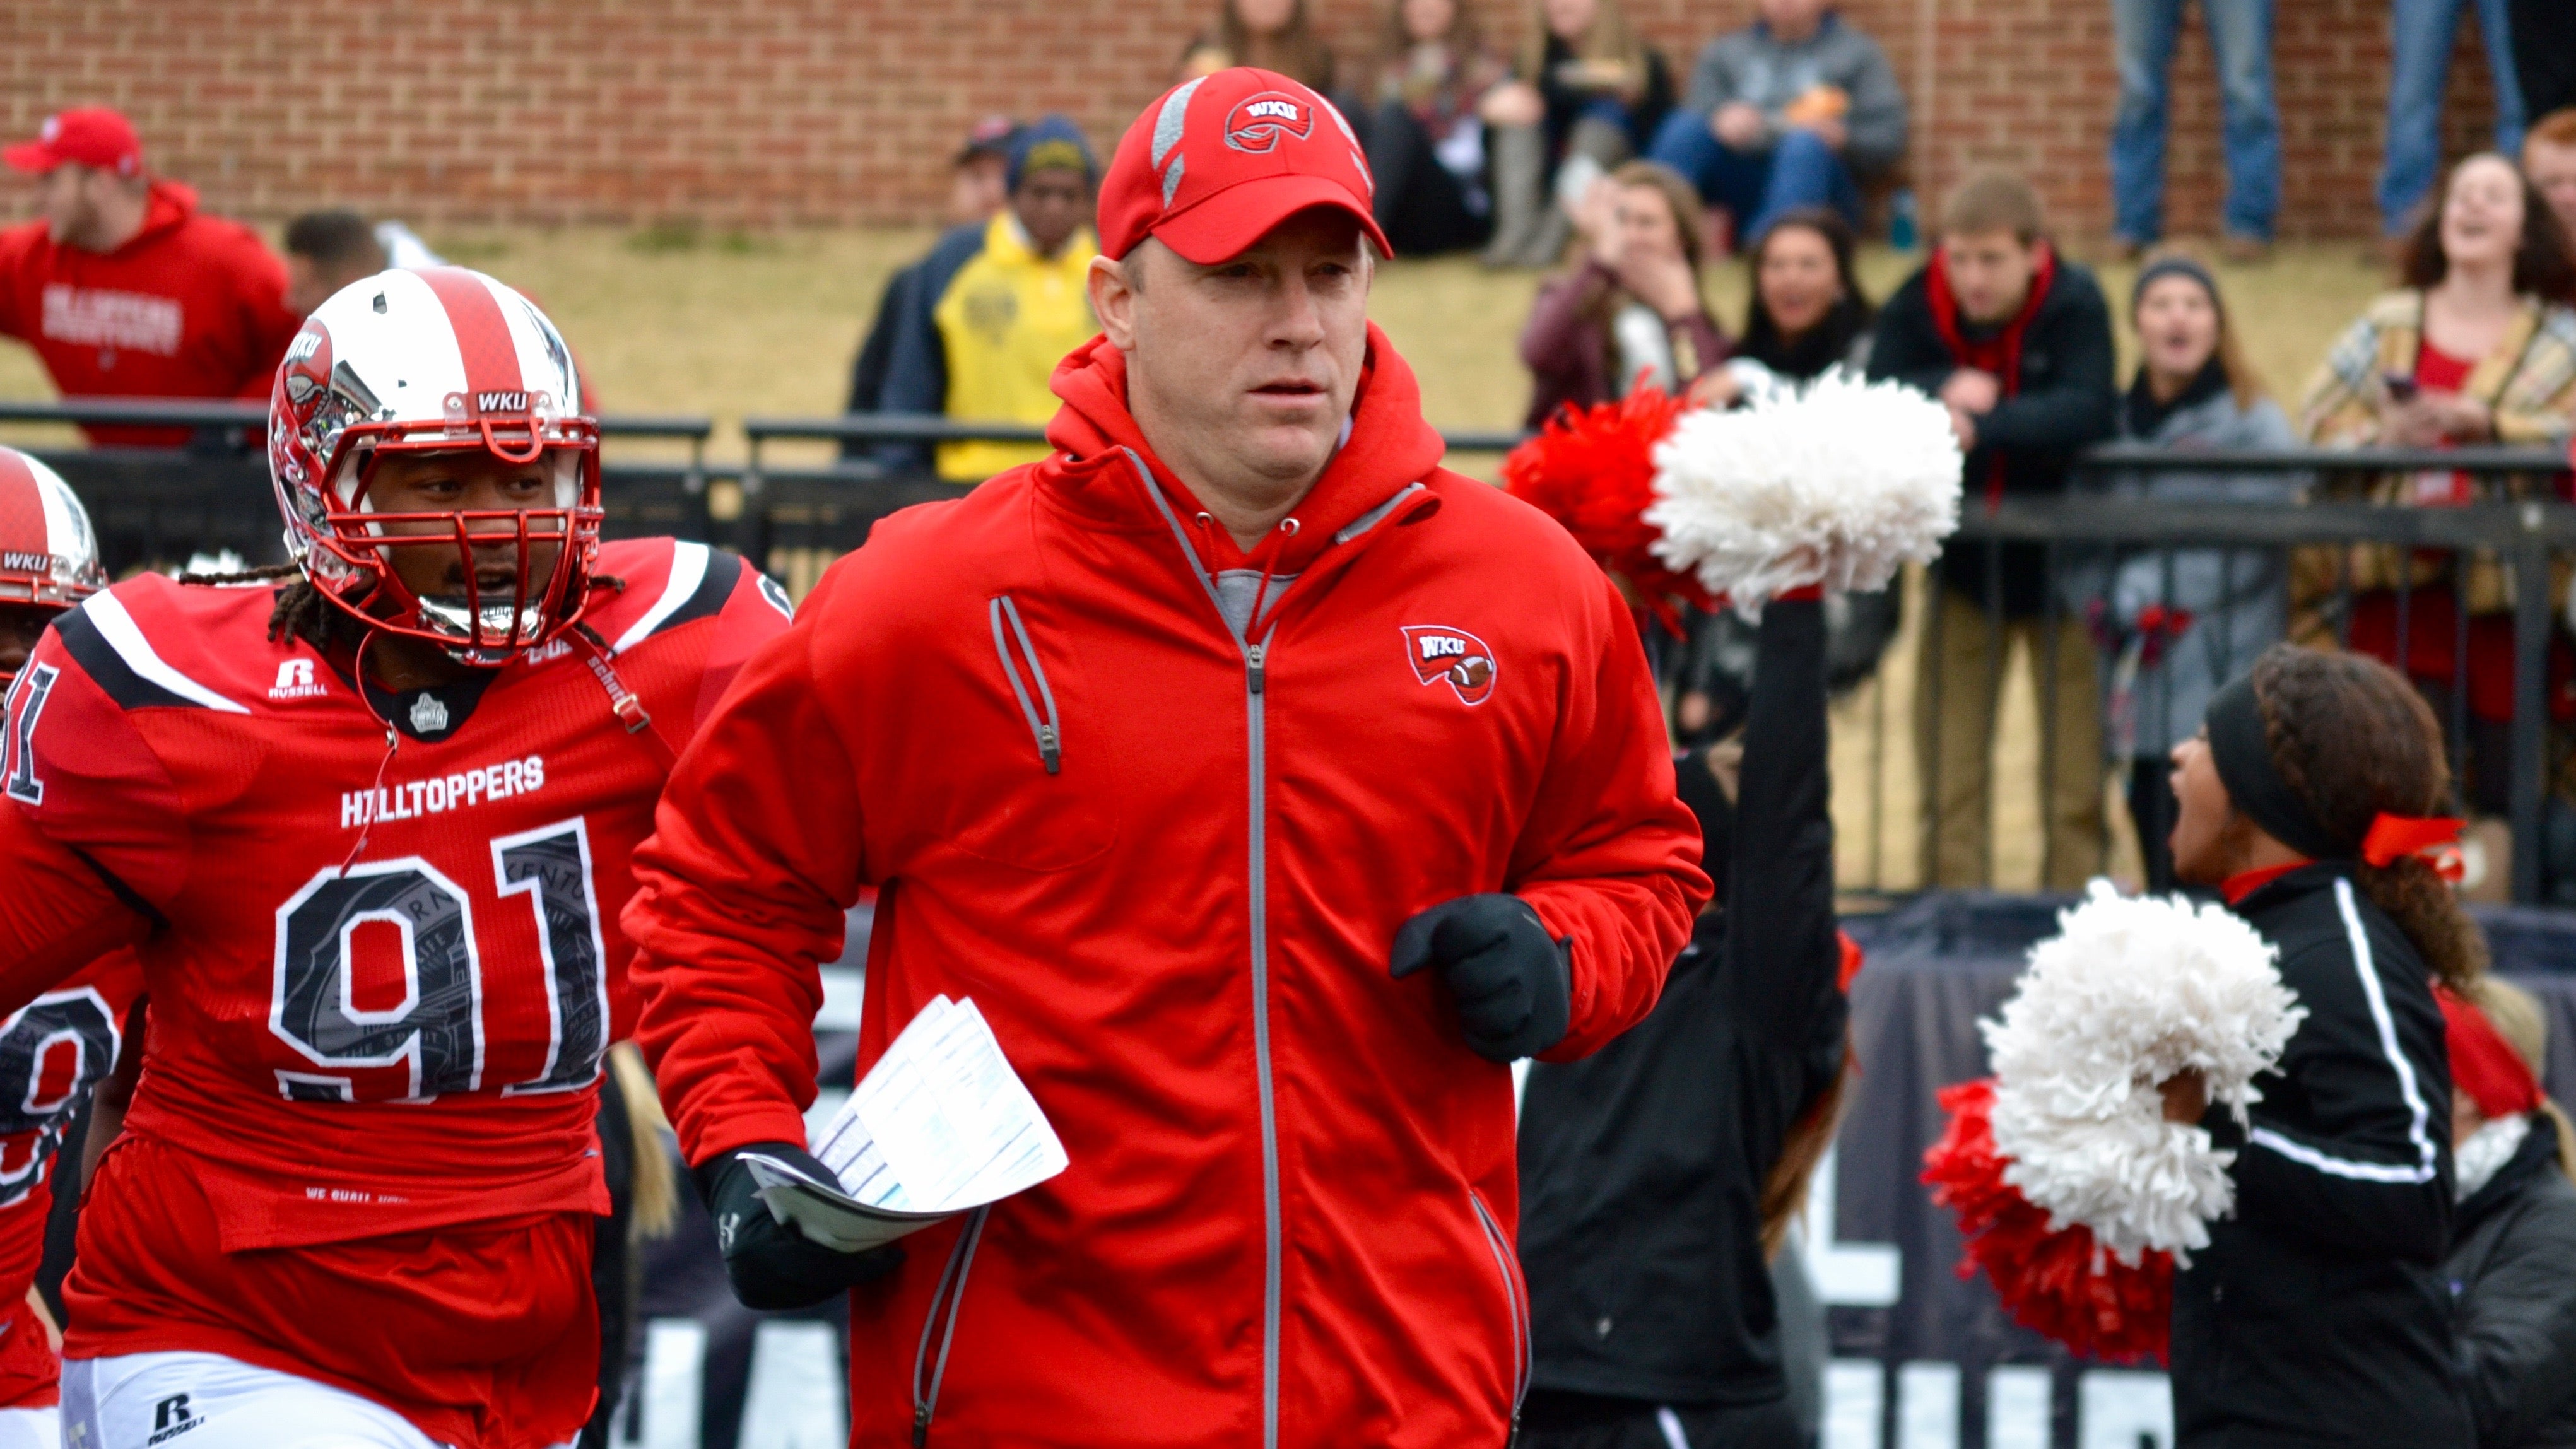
[382,980]
[52,1052]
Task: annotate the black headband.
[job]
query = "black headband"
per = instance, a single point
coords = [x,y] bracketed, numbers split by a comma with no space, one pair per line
[2242,750]
[2173,267]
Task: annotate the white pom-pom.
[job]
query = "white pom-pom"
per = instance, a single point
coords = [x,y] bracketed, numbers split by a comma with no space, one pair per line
[1837,483]
[2127,994]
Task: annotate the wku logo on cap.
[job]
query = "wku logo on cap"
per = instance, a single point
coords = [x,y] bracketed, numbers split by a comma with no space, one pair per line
[1257,123]
[1445,655]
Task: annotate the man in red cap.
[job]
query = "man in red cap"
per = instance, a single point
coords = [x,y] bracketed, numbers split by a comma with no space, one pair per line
[1266,787]
[125,289]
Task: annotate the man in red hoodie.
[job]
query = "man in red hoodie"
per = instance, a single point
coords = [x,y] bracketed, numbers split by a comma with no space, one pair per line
[125,289]
[1267,787]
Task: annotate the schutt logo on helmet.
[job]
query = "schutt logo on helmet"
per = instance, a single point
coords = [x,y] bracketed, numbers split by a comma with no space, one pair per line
[1444,654]
[1257,123]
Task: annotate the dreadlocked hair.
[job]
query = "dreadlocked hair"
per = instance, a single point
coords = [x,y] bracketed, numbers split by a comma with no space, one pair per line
[302,613]
[2352,739]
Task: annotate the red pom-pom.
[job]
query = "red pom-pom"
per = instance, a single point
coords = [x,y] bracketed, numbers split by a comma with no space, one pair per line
[1593,470]
[2058,1282]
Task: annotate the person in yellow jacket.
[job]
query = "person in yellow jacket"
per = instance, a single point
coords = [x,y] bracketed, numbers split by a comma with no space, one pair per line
[998,304]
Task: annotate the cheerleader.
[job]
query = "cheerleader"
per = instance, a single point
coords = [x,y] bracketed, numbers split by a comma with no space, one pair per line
[2318,1314]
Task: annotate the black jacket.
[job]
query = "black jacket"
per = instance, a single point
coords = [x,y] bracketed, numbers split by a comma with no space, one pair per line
[2513,1273]
[1642,1165]
[2066,401]
[2319,1315]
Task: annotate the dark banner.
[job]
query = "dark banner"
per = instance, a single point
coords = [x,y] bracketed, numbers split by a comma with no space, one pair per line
[1921,1358]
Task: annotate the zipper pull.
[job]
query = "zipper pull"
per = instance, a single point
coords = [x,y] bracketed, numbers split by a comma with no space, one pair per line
[1252,658]
[1048,749]
[920,1425]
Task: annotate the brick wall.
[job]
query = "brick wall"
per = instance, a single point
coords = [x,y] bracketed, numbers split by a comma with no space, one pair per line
[769,113]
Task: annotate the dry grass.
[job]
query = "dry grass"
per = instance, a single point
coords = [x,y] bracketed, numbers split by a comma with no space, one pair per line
[736,326]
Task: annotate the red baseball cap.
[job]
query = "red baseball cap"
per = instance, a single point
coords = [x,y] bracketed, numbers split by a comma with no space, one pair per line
[85,136]
[1217,162]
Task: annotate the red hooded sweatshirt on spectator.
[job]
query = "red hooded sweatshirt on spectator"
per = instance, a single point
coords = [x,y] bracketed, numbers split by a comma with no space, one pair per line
[1169,874]
[194,306]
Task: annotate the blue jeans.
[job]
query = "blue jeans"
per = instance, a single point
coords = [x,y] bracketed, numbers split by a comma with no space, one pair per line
[1798,170]
[2240,32]
[2419,39]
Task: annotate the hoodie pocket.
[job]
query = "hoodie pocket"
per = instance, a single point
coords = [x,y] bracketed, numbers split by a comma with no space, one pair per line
[1037,794]
[1515,1303]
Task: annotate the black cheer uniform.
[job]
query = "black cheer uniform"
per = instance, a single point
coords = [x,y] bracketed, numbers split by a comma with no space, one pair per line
[2318,1315]
[1642,1165]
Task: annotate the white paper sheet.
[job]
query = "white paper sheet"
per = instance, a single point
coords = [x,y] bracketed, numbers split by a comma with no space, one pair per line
[940,1125]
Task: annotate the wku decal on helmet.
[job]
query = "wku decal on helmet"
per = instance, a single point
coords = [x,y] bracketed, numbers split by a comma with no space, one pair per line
[442,360]
[1445,654]
[48,552]
[1257,123]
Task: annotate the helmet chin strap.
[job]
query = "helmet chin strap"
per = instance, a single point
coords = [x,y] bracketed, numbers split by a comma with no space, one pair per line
[393,742]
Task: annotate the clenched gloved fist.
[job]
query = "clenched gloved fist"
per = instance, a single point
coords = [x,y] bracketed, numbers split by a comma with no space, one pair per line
[771,1263]
[1515,986]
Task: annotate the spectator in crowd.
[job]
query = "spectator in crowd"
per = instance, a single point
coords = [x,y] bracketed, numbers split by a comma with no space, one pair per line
[979,175]
[2317,1313]
[2549,160]
[1806,313]
[1805,310]
[125,289]
[1629,313]
[1658,1174]
[2016,341]
[2179,623]
[1426,141]
[2420,35]
[979,190]
[2512,1265]
[996,307]
[1587,94]
[325,251]
[1274,35]
[1786,112]
[2544,54]
[2479,347]
[2240,32]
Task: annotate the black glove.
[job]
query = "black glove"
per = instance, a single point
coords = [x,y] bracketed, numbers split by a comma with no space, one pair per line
[1515,987]
[772,1264]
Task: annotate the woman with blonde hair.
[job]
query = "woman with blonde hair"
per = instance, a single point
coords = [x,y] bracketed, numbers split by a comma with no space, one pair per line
[1587,93]
[1629,312]
[2479,347]
[1426,142]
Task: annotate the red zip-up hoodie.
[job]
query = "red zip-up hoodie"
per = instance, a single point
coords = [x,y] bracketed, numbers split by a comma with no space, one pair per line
[193,306]
[1166,853]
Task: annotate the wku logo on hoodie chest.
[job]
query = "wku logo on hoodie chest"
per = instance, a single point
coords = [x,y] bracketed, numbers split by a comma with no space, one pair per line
[1446,654]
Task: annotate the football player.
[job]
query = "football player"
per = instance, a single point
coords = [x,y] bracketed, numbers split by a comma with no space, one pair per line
[370,828]
[54,1049]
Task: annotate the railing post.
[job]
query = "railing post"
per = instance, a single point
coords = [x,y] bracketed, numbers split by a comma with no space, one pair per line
[2531,631]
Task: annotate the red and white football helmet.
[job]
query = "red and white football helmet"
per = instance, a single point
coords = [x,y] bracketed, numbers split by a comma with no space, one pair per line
[438,360]
[48,552]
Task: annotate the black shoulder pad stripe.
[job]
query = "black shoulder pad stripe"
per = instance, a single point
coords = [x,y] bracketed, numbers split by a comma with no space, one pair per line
[724,570]
[107,668]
